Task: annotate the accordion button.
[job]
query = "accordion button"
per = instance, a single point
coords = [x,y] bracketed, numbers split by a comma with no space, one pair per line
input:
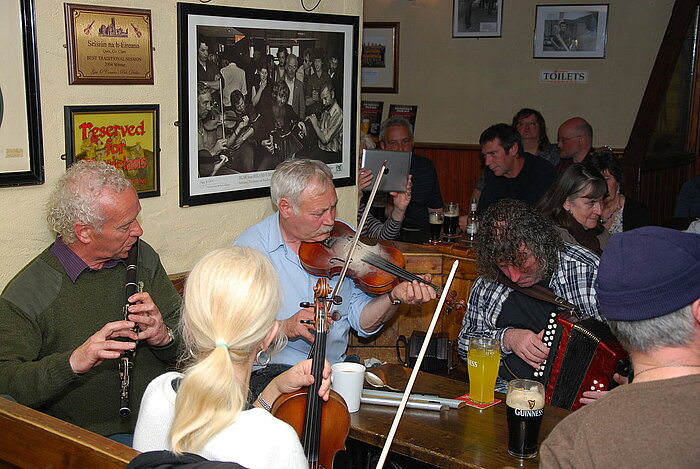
[601,385]
[595,381]
[551,320]
[592,388]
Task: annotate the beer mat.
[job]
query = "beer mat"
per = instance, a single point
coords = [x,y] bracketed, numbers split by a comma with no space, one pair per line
[471,403]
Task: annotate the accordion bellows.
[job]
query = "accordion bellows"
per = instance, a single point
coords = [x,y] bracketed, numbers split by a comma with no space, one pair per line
[583,356]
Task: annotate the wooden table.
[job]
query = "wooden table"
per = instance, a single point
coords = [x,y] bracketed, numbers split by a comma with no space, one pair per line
[458,438]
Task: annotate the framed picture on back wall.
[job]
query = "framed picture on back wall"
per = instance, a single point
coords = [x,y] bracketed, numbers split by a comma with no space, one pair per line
[477,18]
[257,87]
[571,31]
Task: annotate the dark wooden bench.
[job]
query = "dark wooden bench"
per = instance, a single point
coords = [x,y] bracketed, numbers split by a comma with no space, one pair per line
[31,439]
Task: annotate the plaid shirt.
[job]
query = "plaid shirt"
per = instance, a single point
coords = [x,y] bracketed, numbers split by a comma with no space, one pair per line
[573,280]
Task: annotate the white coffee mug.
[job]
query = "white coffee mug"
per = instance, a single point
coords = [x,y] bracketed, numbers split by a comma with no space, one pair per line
[347,380]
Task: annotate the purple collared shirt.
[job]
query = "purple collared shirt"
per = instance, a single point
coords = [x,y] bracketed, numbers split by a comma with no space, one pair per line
[71,262]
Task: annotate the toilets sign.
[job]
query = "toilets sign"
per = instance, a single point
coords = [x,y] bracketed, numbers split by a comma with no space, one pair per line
[564,76]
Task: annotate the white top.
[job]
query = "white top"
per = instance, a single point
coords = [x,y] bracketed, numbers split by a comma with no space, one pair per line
[256,440]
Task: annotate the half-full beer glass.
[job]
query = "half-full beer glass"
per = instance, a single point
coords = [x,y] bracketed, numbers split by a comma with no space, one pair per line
[524,408]
[483,359]
[435,220]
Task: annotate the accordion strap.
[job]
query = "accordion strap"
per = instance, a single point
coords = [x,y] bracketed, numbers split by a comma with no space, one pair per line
[539,293]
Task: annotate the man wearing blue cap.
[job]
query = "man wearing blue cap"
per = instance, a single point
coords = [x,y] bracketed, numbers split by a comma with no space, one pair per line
[649,290]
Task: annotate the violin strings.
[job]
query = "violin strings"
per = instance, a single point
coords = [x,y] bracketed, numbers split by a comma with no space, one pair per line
[381,263]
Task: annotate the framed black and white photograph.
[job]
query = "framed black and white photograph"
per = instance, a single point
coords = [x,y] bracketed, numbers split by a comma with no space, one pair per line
[257,87]
[21,150]
[477,18]
[380,57]
[571,31]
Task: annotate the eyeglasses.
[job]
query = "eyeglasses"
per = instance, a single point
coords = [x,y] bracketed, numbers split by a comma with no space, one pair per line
[566,139]
[526,124]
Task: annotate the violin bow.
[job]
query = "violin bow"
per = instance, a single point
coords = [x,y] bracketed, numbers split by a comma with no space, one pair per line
[416,367]
[356,238]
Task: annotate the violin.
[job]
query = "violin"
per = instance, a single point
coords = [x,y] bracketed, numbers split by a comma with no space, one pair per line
[322,426]
[375,269]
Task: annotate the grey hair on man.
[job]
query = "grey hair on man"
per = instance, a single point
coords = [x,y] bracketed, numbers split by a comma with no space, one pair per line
[292,176]
[76,195]
[395,121]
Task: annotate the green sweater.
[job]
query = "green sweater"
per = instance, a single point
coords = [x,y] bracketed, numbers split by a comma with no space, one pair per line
[44,316]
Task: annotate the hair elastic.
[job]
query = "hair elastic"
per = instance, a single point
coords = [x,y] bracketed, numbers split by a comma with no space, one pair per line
[221,343]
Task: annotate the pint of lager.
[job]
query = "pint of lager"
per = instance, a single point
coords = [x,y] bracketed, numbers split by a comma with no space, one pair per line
[524,408]
[483,359]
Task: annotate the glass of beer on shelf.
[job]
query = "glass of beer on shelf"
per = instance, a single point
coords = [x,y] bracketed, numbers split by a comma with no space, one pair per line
[451,220]
[435,219]
[524,408]
[483,359]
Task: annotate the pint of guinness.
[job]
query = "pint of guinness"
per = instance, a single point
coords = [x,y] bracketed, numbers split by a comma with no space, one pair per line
[524,408]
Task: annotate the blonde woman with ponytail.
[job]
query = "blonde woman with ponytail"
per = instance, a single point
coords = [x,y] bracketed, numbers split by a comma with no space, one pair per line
[231,300]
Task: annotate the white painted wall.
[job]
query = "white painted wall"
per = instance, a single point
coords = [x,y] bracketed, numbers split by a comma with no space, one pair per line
[460,85]
[463,85]
[180,235]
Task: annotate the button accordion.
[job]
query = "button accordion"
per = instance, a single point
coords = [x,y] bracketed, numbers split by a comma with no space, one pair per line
[583,356]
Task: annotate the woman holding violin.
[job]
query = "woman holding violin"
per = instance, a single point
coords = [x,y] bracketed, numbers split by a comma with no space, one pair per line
[303,192]
[228,323]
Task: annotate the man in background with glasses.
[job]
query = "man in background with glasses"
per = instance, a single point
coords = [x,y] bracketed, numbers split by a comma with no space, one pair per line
[575,142]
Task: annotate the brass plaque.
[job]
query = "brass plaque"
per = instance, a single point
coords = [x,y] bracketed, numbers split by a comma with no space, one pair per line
[108,45]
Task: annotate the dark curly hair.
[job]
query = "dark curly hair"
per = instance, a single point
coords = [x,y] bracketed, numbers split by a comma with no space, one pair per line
[506,228]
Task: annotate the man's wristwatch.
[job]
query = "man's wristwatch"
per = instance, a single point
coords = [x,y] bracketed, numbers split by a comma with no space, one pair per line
[171,339]
[394,301]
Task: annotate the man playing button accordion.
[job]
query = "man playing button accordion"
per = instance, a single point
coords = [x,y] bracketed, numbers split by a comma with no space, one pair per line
[515,241]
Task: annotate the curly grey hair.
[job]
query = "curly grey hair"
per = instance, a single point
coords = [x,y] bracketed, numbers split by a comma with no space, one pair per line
[76,195]
[292,176]
[507,227]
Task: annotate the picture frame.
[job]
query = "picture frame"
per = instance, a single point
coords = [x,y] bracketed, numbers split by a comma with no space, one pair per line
[571,31]
[380,57]
[229,152]
[21,146]
[108,45]
[477,18]
[124,136]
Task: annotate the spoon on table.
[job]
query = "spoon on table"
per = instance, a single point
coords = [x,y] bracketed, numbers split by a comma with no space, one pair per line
[377,382]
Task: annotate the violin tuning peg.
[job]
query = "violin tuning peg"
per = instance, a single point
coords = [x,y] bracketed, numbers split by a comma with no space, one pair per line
[305,304]
[337,299]
[335,315]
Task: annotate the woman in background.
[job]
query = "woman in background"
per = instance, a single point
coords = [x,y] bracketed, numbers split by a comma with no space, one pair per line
[620,213]
[228,323]
[532,129]
[574,203]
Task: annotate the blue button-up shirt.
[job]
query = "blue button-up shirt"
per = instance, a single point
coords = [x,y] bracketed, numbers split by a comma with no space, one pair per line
[297,286]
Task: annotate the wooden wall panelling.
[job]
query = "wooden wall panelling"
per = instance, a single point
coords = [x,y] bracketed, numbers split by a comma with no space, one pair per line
[458,168]
[660,181]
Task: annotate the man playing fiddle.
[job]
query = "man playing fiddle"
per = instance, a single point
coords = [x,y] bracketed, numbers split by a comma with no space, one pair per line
[303,192]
